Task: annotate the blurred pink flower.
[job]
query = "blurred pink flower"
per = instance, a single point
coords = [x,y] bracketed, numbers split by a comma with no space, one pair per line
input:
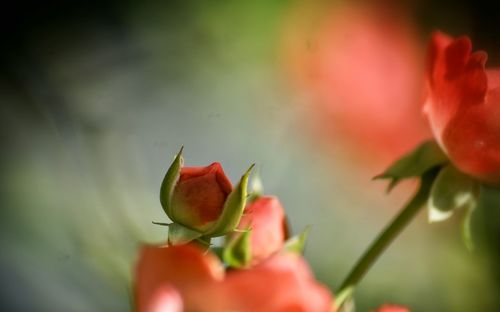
[166,277]
[185,277]
[362,64]
[463,106]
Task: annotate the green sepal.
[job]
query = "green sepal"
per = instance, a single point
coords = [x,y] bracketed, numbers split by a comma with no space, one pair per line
[414,164]
[238,253]
[179,234]
[297,243]
[451,190]
[232,210]
[169,182]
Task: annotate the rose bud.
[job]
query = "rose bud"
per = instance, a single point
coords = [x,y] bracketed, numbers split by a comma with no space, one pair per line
[265,218]
[463,106]
[200,201]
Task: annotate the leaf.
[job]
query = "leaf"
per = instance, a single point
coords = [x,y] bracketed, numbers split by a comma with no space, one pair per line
[237,253]
[178,234]
[169,182]
[451,190]
[232,210]
[414,164]
[297,243]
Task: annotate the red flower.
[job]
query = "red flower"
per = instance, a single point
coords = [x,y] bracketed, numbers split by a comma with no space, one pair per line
[463,106]
[164,276]
[184,277]
[392,308]
[360,63]
[266,219]
[199,195]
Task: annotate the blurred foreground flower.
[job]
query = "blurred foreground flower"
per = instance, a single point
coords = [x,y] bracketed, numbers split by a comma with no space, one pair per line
[184,278]
[463,106]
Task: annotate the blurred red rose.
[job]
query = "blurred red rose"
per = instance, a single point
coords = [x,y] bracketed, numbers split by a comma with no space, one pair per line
[282,283]
[266,219]
[392,308]
[199,196]
[165,274]
[463,106]
[185,277]
[362,66]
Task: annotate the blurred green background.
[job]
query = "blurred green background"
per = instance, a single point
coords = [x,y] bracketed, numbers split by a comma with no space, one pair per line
[97,97]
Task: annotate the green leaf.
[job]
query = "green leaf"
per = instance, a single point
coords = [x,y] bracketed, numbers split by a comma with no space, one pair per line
[233,209]
[237,253]
[451,190]
[297,243]
[414,164]
[169,182]
[179,235]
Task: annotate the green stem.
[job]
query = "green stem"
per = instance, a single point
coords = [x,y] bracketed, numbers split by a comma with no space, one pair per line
[385,238]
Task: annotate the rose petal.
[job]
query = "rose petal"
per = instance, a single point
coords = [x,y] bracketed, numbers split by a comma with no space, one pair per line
[266,219]
[183,267]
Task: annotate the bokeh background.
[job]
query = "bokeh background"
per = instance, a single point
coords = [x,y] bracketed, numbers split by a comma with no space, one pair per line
[96,97]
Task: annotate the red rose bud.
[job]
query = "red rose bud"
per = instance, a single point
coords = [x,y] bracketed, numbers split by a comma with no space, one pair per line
[265,218]
[199,195]
[463,106]
[201,201]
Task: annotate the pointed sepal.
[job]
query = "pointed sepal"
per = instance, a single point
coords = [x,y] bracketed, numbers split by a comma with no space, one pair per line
[179,235]
[237,253]
[297,243]
[169,182]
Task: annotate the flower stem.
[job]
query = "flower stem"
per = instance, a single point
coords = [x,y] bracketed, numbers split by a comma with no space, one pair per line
[385,238]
